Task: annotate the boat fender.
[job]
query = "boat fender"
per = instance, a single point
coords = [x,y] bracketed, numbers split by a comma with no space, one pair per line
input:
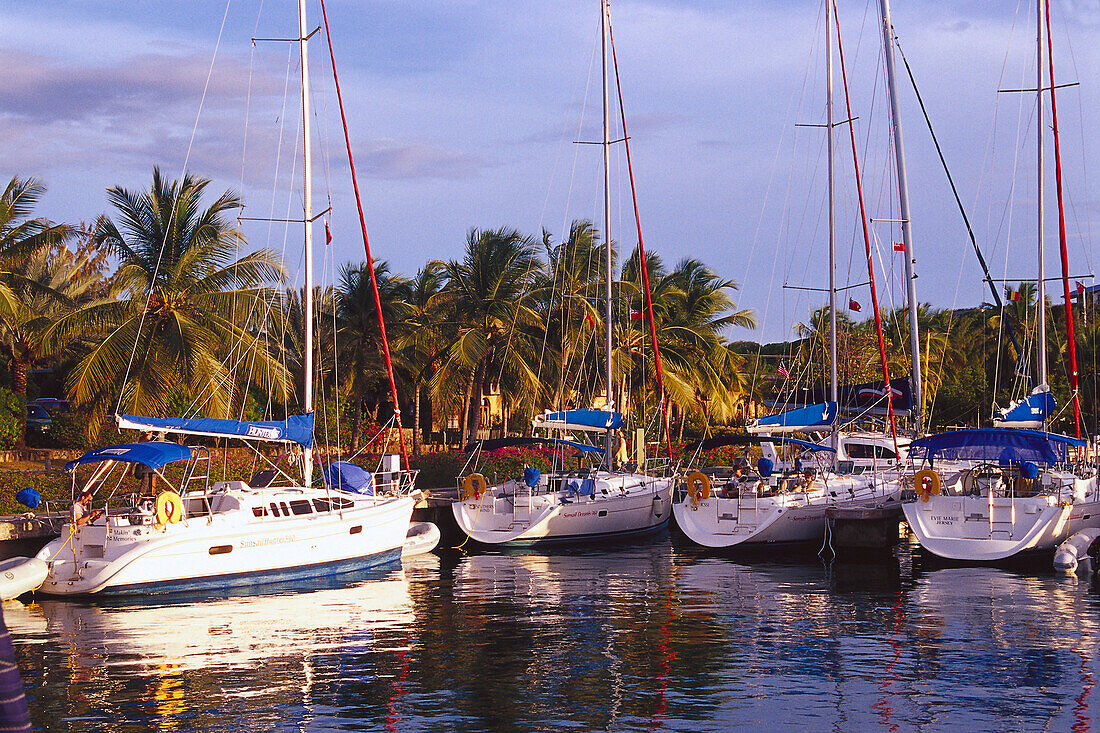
[698,486]
[169,508]
[473,486]
[927,483]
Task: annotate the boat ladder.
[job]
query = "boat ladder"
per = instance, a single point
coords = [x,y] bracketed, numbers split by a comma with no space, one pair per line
[1002,514]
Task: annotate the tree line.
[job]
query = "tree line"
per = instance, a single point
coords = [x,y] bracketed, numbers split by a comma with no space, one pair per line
[160,308]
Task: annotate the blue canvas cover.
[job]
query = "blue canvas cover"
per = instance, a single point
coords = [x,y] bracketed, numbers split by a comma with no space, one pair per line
[1029,412]
[802,419]
[583,419]
[994,444]
[153,455]
[347,476]
[295,429]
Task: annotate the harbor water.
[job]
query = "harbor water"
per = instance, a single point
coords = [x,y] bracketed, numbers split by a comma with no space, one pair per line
[637,637]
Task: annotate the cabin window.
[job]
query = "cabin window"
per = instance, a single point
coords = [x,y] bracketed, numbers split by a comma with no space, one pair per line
[356,529]
[864,451]
[300,506]
[258,511]
[339,502]
[274,509]
[322,505]
[282,505]
[221,549]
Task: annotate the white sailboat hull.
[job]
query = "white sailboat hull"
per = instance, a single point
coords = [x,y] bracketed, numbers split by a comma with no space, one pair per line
[622,504]
[781,518]
[962,528]
[227,549]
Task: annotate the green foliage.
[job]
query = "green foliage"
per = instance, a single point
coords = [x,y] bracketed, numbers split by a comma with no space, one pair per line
[437,470]
[13,412]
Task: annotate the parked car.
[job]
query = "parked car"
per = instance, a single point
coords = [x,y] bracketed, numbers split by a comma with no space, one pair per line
[38,420]
[52,405]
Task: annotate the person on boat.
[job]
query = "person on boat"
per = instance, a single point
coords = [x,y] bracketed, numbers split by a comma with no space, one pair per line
[622,452]
[806,482]
[79,514]
[732,488]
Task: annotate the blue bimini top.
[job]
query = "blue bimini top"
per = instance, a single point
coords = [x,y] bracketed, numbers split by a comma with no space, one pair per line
[994,444]
[153,455]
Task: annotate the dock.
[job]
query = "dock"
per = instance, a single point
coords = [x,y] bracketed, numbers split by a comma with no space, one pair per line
[23,535]
[864,527]
[435,507]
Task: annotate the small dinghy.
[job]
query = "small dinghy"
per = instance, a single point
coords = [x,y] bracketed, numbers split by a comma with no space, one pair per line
[422,538]
[1077,550]
[19,575]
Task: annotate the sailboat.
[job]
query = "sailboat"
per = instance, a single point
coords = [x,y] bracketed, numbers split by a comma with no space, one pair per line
[597,502]
[195,533]
[788,506]
[1020,494]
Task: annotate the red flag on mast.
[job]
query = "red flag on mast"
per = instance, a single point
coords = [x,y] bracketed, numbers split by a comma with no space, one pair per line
[328,234]
[854,305]
[899,246]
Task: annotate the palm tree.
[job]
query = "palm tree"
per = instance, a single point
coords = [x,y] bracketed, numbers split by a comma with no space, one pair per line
[364,376]
[50,283]
[693,307]
[186,305]
[494,331]
[21,236]
[569,295]
[420,339]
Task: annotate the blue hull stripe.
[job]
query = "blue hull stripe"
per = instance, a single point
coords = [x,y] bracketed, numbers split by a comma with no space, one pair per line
[259,577]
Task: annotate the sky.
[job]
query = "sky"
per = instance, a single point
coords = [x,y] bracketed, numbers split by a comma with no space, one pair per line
[465,114]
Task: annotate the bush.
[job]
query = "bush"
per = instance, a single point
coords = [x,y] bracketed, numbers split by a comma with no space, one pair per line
[69,430]
[437,470]
[13,415]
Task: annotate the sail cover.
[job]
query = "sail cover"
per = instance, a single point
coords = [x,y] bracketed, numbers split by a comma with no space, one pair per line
[295,429]
[802,419]
[868,398]
[1030,412]
[994,444]
[583,419]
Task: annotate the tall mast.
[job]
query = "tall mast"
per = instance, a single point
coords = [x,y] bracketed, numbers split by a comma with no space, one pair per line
[906,224]
[307,196]
[833,388]
[607,222]
[1041,291]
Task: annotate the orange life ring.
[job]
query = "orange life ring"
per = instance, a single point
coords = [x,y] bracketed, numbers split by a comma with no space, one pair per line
[473,486]
[927,483]
[698,486]
[169,508]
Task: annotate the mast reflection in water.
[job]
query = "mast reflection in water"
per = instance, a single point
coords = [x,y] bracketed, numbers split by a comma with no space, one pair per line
[638,637]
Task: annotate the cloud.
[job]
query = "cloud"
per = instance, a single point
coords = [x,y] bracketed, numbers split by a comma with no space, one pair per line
[403,160]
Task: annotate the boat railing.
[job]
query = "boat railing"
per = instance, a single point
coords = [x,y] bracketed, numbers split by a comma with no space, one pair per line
[396,483]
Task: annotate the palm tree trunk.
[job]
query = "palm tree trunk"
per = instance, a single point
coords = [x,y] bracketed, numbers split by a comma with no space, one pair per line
[416,420]
[465,411]
[19,375]
[356,424]
[477,388]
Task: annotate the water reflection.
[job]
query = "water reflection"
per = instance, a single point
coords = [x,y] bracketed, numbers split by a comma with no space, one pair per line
[640,637]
